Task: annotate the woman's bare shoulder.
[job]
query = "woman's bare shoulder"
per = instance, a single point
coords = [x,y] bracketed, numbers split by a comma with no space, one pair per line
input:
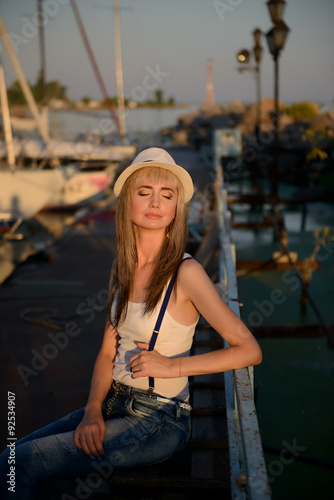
[191,273]
[189,263]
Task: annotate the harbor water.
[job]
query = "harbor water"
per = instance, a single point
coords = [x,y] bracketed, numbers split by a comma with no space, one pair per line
[142,124]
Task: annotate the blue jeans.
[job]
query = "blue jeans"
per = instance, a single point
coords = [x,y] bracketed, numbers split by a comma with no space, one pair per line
[140,431]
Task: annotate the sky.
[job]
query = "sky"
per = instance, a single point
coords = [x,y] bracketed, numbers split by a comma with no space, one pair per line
[166,44]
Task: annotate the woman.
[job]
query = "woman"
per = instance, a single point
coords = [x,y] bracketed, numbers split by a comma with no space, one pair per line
[137,411]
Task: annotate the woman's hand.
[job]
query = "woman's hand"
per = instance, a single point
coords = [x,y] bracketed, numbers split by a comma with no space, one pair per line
[151,364]
[90,433]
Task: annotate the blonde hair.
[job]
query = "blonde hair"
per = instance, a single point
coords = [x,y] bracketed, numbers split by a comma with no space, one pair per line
[168,258]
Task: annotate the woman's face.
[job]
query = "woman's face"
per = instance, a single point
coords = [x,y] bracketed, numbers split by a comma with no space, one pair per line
[153,204]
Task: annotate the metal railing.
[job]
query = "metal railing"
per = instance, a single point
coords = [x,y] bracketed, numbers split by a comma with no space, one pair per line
[247,465]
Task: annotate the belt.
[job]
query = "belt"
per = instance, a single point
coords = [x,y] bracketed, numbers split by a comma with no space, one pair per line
[131,390]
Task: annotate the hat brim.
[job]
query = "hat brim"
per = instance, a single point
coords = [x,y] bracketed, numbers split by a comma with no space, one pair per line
[180,172]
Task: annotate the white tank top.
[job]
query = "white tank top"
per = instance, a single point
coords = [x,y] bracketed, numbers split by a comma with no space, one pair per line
[174,340]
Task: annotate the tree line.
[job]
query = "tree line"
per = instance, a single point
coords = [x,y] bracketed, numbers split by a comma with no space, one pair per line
[44,92]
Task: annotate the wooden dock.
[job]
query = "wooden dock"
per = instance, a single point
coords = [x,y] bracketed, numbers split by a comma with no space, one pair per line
[224,457]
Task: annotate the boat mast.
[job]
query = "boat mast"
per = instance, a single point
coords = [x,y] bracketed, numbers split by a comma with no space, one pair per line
[119,70]
[42,77]
[94,63]
[6,119]
[42,50]
[27,92]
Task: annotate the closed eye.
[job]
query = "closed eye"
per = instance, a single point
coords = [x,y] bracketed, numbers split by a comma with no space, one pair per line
[165,192]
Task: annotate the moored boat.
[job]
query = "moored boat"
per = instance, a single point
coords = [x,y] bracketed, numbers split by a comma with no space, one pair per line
[23,192]
[86,185]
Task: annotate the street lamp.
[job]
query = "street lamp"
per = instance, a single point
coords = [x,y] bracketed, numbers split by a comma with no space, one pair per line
[243,57]
[276,9]
[276,39]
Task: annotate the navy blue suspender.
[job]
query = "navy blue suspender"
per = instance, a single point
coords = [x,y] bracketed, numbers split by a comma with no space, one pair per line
[159,320]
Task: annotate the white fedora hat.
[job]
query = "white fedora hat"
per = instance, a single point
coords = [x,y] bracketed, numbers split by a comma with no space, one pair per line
[156,157]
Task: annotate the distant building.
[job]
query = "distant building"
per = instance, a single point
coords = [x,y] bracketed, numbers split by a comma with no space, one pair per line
[94,104]
[57,104]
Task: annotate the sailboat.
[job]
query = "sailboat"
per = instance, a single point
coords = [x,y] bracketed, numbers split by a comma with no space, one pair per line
[89,184]
[23,192]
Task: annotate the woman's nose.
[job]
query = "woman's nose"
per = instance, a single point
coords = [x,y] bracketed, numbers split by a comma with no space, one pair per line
[154,200]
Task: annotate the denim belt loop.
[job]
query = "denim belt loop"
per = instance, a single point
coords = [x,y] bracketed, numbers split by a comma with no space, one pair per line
[127,399]
[125,391]
[178,411]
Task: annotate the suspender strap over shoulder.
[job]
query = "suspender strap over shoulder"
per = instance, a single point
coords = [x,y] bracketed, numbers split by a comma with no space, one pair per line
[160,318]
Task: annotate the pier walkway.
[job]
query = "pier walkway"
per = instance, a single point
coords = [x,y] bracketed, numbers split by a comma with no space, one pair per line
[53,312]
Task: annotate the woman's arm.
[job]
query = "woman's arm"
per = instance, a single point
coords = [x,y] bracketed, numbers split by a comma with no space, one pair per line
[243,349]
[90,433]
[198,291]
[103,369]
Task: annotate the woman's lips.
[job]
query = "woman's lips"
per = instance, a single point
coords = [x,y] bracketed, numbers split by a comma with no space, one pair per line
[153,216]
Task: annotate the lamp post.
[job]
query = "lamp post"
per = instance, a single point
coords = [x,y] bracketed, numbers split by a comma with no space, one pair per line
[243,57]
[257,52]
[276,39]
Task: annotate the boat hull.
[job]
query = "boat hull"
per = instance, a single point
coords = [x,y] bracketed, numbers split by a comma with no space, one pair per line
[83,187]
[24,192]
[34,149]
